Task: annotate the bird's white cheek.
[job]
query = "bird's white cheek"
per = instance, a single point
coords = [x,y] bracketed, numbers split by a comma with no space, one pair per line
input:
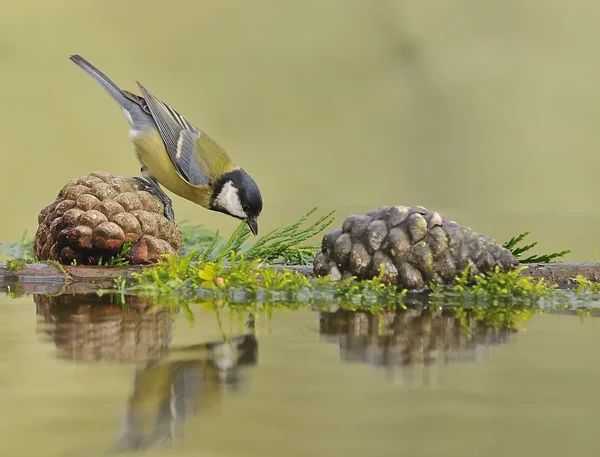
[229,199]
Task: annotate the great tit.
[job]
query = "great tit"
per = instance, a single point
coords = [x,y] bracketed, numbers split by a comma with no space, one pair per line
[185,160]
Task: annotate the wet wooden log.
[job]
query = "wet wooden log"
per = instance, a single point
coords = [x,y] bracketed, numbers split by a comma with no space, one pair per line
[563,274]
[48,278]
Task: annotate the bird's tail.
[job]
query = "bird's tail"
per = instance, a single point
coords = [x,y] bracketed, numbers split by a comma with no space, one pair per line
[109,86]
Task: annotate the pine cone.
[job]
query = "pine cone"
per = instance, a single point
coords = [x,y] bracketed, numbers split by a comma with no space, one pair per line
[414,246]
[94,215]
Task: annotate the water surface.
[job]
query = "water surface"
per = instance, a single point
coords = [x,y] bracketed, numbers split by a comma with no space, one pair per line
[84,378]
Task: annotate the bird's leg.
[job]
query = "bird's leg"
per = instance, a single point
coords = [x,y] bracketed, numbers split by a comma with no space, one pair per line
[152,187]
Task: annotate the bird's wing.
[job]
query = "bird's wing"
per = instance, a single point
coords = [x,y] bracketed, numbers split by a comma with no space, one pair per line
[214,158]
[201,158]
[141,101]
[198,158]
[186,159]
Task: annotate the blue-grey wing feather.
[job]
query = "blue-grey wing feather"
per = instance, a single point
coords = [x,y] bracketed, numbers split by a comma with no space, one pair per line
[179,137]
[169,122]
[186,159]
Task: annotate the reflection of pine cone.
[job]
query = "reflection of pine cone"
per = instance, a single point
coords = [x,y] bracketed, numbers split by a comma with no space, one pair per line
[408,336]
[94,215]
[88,328]
[415,247]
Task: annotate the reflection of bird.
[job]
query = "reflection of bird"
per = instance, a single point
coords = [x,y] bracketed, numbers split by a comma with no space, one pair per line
[166,394]
[174,153]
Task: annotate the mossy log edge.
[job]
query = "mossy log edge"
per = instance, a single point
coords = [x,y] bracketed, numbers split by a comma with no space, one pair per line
[49,278]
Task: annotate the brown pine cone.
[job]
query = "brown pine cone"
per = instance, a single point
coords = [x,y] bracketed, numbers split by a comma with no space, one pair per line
[94,215]
[415,247]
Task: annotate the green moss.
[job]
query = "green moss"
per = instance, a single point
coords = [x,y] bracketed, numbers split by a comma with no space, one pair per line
[224,269]
[58,265]
[585,287]
[498,284]
[246,280]
[254,281]
[19,263]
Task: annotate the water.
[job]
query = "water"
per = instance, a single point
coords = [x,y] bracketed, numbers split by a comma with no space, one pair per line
[469,110]
[82,377]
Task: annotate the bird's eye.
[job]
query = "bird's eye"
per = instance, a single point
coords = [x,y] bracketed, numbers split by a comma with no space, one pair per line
[246,208]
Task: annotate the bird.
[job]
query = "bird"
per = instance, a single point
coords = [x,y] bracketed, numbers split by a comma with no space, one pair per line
[179,156]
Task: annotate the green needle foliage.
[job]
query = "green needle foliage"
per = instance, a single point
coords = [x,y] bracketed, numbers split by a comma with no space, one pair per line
[18,249]
[118,260]
[197,238]
[513,246]
[283,245]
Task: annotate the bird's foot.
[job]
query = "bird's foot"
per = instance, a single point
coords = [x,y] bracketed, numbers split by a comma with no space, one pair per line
[152,187]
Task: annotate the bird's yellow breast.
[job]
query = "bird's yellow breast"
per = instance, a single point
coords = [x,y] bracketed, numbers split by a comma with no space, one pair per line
[151,152]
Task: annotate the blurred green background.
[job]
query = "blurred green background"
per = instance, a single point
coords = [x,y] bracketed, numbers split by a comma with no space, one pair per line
[485,111]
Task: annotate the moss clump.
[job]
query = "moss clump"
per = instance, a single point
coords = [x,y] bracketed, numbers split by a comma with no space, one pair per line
[229,270]
[246,280]
[18,263]
[585,287]
[499,284]
[240,280]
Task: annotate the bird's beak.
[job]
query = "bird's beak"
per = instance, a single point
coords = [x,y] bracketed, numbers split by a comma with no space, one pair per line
[252,222]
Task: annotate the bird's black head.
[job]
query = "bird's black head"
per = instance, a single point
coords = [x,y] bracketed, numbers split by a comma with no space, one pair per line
[235,193]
